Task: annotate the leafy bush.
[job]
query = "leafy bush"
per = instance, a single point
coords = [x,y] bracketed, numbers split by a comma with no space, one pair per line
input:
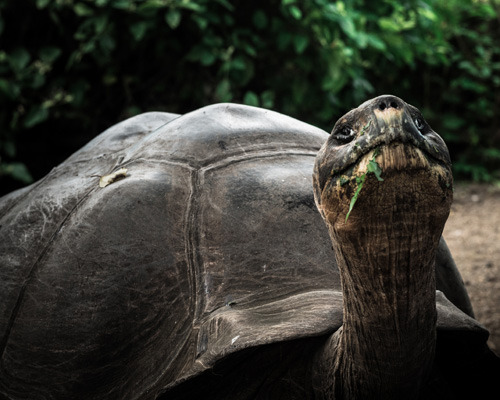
[71,68]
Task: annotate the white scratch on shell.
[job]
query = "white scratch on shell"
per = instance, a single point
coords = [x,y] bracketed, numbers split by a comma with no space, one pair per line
[235,339]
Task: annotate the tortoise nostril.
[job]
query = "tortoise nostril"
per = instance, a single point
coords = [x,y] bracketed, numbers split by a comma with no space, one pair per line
[388,102]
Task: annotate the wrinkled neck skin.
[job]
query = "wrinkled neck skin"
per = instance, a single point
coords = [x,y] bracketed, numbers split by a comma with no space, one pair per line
[385,347]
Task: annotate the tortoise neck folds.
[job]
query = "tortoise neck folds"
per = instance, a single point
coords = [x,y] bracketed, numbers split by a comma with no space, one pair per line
[385,252]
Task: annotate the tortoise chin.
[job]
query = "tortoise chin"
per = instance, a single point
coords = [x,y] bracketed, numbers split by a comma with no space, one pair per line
[396,174]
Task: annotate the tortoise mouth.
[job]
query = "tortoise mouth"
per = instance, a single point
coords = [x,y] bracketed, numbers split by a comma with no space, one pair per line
[394,176]
[391,158]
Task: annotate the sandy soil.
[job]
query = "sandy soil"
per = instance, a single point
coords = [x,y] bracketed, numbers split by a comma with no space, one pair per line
[473,236]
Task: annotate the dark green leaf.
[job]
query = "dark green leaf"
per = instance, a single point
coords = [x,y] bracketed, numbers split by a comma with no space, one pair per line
[284,39]
[82,10]
[249,49]
[238,63]
[121,4]
[223,91]
[388,24]
[251,99]
[35,116]
[88,47]
[17,171]
[19,59]
[295,12]
[453,122]
[109,80]
[348,27]
[148,5]
[226,4]
[191,5]
[42,3]
[207,58]
[107,43]
[173,18]
[100,23]
[10,89]
[49,54]
[375,42]
[203,55]
[138,30]
[267,99]
[10,149]
[260,19]
[300,42]
[37,81]
[201,21]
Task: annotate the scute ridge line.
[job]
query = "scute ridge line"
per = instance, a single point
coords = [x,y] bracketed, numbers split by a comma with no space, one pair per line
[33,270]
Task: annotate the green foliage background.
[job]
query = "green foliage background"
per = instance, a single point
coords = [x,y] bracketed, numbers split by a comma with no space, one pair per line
[71,68]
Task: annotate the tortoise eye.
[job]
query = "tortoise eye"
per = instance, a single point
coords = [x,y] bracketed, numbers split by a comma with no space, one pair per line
[344,134]
[419,124]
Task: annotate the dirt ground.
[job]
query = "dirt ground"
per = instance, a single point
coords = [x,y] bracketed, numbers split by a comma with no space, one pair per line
[473,236]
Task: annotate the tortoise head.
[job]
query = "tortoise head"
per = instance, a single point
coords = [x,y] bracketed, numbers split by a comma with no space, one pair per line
[380,157]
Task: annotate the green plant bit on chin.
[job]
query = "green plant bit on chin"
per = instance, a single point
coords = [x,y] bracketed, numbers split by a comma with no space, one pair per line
[359,181]
[365,128]
[373,168]
[343,180]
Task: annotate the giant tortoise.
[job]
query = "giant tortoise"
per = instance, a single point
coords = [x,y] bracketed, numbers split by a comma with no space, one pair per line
[178,257]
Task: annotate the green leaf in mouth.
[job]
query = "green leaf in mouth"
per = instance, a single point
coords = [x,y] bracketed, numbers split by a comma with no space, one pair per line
[359,181]
[373,168]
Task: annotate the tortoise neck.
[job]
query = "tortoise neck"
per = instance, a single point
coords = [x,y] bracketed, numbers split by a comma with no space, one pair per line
[385,347]
[389,328]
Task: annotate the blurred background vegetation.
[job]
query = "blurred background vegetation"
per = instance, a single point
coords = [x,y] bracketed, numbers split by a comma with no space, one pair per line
[71,68]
